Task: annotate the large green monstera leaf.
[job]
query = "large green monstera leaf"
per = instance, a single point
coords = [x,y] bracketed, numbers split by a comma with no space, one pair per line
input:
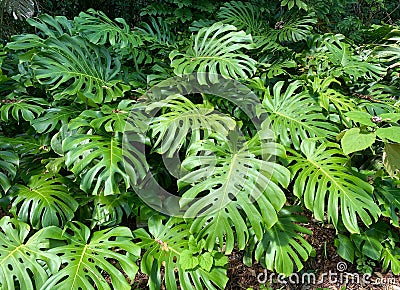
[24,262]
[216,50]
[295,115]
[171,246]
[70,66]
[326,184]
[46,201]
[283,247]
[183,119]
[87,256]
[229,178]
[106,159]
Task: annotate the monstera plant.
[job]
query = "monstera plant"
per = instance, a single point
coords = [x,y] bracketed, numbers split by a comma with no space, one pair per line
[271,121]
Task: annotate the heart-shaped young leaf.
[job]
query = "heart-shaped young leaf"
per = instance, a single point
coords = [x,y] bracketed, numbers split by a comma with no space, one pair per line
[354,140]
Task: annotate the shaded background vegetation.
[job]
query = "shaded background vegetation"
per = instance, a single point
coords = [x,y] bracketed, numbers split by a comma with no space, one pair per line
[349,17]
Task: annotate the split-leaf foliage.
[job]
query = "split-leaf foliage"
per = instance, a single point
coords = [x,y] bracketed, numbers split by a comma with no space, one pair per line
[327,146]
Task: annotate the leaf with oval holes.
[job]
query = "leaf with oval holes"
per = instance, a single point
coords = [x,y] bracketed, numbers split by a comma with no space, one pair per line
[25,262]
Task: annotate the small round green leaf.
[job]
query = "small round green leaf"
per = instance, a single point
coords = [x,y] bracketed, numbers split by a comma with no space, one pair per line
[353,140]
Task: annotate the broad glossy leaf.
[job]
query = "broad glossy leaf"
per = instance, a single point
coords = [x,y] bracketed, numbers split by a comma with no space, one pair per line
[345,248]
[392,134]
[361,117]
[216,50]
[99,161]
[86,256]
[283,247]
[45,201]
[240,177]
[108,119]
[71,66]
[343,57]
[370,242]
[296,28]
[52,25]
[54,118]
[243,15]
[294,115]
[26,144]
[354,140]
[184,122]
[326,185]
[341,102]
[391,258]
[27,108]
[164,246]
[25,262]
[99,29]
[158,33]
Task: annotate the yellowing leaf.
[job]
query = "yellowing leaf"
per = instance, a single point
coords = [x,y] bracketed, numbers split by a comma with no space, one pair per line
[391,159]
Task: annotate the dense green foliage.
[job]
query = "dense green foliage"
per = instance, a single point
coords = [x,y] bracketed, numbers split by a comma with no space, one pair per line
[330,145]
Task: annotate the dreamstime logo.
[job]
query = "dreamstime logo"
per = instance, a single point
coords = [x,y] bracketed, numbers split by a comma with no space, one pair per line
[172,121]
[332,277]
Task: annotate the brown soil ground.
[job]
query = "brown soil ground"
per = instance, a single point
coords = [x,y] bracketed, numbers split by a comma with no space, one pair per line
[326,259]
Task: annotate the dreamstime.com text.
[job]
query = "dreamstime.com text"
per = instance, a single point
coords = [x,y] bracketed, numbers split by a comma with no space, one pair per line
[332,277]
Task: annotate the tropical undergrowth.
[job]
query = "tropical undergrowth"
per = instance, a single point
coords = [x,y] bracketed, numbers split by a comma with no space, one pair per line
[327,143]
